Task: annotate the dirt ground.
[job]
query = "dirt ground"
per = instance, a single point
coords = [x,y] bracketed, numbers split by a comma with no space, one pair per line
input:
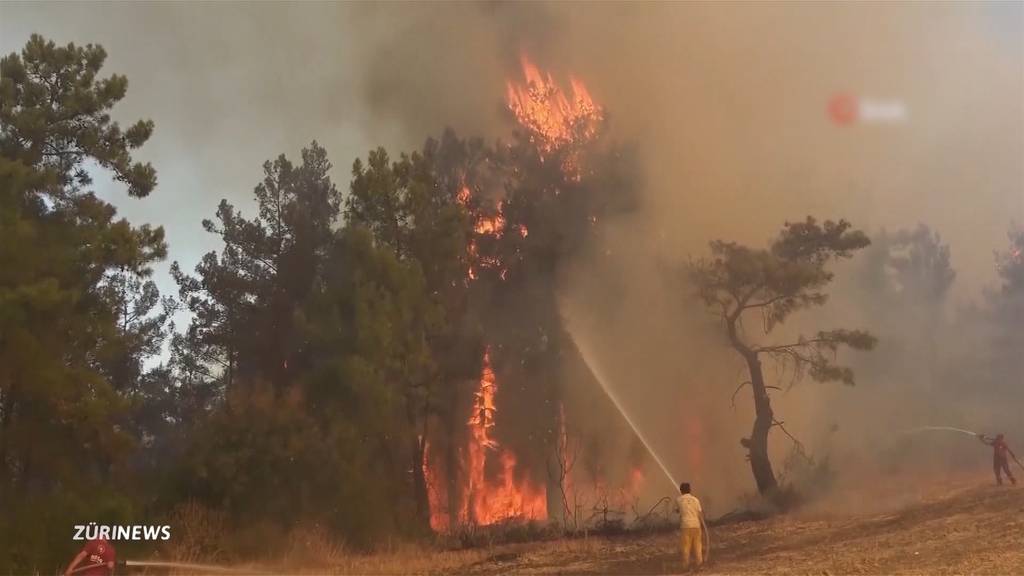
[963,527]
[967,530]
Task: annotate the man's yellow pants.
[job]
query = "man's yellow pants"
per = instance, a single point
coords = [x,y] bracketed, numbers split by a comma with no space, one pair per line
[691,540]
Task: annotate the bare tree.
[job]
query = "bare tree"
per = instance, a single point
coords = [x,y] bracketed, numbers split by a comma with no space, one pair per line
[566,453]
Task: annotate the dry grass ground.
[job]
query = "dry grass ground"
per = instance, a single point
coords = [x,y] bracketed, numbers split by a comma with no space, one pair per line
[974,530]
[956,529]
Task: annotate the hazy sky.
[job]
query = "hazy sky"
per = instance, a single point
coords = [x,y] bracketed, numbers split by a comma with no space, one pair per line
[727,102]
[228,87]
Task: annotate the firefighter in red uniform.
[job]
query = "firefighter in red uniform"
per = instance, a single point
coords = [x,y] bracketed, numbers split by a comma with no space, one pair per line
[999,461]
[96,559]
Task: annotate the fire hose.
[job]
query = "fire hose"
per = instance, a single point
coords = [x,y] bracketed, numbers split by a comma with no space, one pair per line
[204,568]
[707,539]
[1014,456]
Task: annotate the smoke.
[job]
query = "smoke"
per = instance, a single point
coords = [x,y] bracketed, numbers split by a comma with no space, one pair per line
[432,67]
[727,107]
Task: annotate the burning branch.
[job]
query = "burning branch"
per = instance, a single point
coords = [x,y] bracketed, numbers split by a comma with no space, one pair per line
[555,122]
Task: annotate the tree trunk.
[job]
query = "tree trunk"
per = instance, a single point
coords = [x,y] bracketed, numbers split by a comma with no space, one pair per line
[419,477]
[453,466]
[420,484]
[757,446]
[5,423]
[6,418]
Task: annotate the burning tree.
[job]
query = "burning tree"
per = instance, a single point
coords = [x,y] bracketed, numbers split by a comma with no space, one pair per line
[566,178]
[556,122]
[526,207]
[738,282]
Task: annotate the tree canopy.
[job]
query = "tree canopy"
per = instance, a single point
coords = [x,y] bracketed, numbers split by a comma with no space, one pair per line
[78,311]
[788,276]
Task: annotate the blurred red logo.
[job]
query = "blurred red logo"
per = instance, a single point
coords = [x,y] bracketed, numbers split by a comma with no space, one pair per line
[845,109]
[842,108]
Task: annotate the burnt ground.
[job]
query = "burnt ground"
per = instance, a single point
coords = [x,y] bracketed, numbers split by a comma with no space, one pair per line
[973,530]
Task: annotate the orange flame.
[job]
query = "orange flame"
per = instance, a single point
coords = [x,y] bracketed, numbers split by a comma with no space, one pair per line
[503,498]
[482,419]
[485,225]
[437,494]
[636,481]
[554,120]
[485,500]
[492,224]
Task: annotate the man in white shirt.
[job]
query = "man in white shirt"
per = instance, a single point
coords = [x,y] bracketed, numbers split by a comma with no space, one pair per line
[691,519]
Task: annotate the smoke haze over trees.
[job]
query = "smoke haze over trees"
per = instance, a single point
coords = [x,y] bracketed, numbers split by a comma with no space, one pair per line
[293,355]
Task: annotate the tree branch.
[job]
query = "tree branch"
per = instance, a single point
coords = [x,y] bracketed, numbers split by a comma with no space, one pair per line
[746,383]
[800,449]
[795,345]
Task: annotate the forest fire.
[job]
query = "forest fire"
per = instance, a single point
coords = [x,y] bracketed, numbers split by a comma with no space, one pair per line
[485,498]
[491,486]
[519,288]
[554,120]
[493,225]
[503,498]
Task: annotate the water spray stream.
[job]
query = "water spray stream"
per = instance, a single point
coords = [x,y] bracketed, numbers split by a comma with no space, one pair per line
[939,428]
[587,359]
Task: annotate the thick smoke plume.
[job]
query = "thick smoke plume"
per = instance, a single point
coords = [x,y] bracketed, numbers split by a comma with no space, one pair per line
[726,105]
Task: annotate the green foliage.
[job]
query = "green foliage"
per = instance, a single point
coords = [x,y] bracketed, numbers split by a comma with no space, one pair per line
[373,315]
[319,339]
[245,301]
[921,263]
[76,311]
[55,115]
[778,281]
[321,351]
[38,537]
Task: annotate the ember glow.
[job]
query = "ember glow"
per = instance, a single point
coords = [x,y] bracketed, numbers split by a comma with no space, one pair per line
[486,225]
[491,225]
